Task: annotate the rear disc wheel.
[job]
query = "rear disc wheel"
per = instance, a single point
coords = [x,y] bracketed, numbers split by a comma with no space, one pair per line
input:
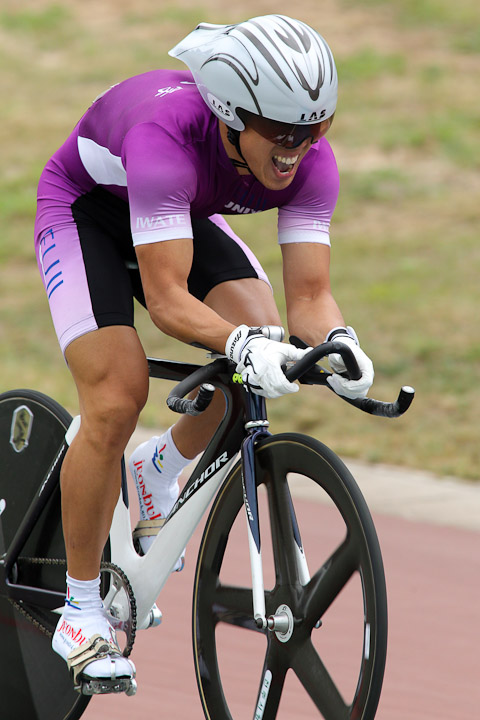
[34,681]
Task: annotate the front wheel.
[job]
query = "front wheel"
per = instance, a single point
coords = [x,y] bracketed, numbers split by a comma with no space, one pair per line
[330,661]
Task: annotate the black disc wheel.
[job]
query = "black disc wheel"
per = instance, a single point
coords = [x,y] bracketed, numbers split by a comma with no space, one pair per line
[34,681]
[325,656]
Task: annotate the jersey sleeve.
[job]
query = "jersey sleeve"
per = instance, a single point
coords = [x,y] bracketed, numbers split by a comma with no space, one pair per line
[306,217]
[161,183]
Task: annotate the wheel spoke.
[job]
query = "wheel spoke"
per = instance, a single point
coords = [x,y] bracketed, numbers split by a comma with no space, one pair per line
[271,684]
[318,683]
[329,580]
[234,606]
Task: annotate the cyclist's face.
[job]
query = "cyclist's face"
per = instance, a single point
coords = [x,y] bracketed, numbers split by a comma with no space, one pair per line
[274,166]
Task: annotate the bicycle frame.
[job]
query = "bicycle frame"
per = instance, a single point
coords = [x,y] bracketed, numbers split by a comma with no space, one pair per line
[244,422]
[237,430]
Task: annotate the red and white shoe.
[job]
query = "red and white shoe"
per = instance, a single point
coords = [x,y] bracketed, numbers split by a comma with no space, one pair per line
[88,644]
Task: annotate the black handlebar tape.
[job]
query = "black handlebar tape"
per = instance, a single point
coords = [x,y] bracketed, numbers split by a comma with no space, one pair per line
[204,397]
[195,406]
[317,353]
[385,409]
[203,374]
[305,369]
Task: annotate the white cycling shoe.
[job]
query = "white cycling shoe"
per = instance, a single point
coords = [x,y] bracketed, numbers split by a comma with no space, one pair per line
[89,647]
[155,467]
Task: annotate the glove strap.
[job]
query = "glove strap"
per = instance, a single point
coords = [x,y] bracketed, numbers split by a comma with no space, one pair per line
[242,334]
[238,339]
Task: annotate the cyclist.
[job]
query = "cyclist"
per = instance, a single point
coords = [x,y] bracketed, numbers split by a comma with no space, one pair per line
[132,204]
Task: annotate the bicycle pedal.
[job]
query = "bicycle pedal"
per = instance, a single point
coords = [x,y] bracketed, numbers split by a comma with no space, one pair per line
[154,617]
[105,686]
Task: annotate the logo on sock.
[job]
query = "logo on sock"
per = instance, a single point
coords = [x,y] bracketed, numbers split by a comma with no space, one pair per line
[157,458]
[71,634]
[145,498]
[70,600]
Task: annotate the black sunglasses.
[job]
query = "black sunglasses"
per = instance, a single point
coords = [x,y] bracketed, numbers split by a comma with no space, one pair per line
[285,134]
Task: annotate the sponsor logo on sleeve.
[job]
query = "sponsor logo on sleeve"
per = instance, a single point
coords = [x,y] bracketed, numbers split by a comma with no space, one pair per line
[157,222]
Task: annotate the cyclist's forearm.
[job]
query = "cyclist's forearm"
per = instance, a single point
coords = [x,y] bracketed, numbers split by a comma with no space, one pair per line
[179,314]
[164,272]
[311,317]
[311,308]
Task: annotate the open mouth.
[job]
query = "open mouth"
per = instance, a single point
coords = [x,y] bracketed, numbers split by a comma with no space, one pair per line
[285,164]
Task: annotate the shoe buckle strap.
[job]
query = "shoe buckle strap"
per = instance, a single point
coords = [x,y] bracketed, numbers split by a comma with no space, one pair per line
[146,528]
[96,648]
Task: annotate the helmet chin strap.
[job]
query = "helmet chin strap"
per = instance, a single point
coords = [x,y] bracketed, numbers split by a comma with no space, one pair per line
[234,138]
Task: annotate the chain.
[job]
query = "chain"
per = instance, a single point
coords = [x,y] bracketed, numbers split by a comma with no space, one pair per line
[131,625]
[30,618]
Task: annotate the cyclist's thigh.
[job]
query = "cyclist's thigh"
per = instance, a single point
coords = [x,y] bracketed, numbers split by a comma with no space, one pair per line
[227,276]
[110,372]
[246,301]
[82,250]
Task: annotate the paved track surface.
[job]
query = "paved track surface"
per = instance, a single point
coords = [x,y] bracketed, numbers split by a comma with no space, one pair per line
[429,531]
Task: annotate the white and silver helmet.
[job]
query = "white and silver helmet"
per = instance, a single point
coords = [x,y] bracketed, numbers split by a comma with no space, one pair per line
[270,66]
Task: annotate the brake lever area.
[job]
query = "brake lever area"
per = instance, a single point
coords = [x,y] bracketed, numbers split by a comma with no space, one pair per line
[321,351]
[309,374]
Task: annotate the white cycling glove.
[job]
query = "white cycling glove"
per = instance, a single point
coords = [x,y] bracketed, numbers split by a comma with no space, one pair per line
[349,388]
[259,361]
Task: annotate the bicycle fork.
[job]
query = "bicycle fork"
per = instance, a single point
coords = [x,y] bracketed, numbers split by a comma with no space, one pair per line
[280,621]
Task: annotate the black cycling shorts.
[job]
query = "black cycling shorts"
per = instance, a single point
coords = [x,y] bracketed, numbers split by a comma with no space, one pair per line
[90,268]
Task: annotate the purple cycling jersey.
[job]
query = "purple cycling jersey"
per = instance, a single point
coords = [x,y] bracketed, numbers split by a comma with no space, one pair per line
[153,141]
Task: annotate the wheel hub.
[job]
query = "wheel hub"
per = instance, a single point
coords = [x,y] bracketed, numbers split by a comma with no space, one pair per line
[281,623]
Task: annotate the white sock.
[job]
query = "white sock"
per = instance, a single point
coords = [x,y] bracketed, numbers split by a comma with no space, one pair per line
[82,595]
[169,461]
[82,617]
[156,466]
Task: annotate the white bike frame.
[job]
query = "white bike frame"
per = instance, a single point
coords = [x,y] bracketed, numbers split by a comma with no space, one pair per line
[148,574]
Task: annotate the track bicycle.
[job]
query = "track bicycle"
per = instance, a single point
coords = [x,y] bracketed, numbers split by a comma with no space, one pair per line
[286,612]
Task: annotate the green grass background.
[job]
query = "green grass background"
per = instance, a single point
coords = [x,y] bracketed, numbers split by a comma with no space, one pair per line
[405,245]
